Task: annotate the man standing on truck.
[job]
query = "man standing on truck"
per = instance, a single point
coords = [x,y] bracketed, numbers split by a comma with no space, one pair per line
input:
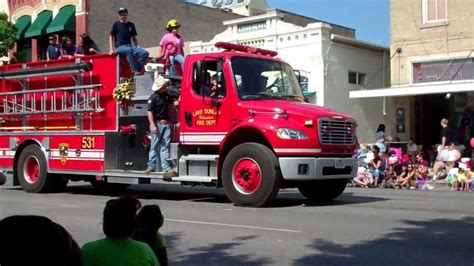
[123,32]
[158,117]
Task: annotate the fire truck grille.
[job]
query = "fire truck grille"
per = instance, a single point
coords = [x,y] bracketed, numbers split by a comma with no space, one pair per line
[337,131]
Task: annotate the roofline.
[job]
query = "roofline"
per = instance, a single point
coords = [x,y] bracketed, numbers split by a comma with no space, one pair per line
[223,10]
[315,20]
[415,89]
[252,18]
[358,43]
[270,13]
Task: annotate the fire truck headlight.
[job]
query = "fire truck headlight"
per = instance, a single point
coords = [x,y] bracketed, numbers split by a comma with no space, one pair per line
[288,133]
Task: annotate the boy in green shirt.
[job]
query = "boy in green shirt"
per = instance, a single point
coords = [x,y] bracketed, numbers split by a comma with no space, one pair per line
[150,220]
[118,248]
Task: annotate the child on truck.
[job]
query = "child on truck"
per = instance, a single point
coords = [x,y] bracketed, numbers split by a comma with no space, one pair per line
[171,47]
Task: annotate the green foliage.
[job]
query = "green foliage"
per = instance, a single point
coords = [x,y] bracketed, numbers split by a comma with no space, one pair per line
[7,34]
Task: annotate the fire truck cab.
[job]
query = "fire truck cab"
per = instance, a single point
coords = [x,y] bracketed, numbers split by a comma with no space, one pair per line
[242,124]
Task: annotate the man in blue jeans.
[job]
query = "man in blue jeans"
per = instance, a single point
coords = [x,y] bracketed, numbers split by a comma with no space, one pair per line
[158,117]
[123,32]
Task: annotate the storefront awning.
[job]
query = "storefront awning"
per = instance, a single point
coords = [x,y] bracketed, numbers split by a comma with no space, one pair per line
[413,90]
[22,25]
[40,24]
[65,20]
[308,93]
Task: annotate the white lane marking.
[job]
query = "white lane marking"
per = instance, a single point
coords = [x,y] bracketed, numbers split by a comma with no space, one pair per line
[235,225]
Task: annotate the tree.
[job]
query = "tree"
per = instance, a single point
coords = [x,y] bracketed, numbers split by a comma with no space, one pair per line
[7,34]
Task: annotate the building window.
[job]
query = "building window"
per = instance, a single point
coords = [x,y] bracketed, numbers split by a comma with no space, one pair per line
[434,11]
[446,70]
[356,78]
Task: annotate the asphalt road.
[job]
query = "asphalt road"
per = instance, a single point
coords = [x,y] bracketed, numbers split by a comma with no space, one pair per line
[362,227]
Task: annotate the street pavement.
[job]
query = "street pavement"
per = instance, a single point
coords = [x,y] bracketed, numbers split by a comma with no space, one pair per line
[362,227]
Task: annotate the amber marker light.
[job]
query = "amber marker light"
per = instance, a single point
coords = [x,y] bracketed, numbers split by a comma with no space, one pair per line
[309,123]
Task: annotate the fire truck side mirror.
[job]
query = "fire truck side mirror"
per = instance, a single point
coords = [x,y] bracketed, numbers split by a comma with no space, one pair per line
[298,76]
[201,72]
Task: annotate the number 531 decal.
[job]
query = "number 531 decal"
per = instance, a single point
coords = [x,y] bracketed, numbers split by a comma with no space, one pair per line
[88,143]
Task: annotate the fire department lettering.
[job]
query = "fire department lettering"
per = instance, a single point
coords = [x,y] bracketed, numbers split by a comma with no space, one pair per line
[206,117]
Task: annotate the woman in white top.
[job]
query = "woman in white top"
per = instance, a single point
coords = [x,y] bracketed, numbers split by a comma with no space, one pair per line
[445,160]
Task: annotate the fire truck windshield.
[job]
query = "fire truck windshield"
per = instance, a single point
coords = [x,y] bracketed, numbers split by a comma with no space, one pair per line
[257,78]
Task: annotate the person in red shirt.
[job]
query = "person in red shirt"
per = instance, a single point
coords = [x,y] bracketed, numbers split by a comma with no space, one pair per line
[421,170]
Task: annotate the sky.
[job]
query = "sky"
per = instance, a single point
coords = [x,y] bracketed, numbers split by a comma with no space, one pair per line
[370,18]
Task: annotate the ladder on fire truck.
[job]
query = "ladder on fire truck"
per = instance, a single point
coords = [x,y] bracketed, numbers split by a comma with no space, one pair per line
[76,100]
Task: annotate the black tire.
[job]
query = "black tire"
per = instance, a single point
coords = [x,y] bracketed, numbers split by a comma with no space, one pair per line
[323,190]
[32,172]
[264,164]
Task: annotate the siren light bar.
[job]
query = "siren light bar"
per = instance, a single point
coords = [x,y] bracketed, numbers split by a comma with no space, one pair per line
[245,49]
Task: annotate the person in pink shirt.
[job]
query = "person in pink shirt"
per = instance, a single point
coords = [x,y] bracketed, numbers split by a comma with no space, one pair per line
[171,46]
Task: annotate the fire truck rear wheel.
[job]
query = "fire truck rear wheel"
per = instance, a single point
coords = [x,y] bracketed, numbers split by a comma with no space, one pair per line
[251,175]
[323,190]
[32,171]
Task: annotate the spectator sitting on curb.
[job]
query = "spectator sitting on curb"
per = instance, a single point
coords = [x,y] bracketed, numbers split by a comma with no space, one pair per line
[445,161]
[421,167]
[150,220]
[118,248]
[375,167]
[51,244]
[363,178]
[406,178]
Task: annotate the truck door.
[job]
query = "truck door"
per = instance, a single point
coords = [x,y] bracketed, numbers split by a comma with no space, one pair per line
[205,115]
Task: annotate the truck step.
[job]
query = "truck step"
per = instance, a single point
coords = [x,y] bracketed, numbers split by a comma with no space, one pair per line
[202,165]
[198,179]
[200,157]
[133,174]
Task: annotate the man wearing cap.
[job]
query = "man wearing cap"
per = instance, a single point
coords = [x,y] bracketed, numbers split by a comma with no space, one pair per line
[123,32]
[158,117]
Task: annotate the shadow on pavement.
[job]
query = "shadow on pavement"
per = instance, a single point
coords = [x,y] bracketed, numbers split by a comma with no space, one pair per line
[287,198]
[347,198]
[433,242]
[212,254]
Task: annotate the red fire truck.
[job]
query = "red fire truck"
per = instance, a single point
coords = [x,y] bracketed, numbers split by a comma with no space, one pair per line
[59,121]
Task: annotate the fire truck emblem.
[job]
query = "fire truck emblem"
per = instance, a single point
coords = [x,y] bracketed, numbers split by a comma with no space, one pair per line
[63,151]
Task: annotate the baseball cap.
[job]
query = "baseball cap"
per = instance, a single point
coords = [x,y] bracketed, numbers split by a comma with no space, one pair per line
[122,9]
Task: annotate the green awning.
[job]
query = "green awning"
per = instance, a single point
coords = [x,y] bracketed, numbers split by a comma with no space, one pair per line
[40,24]
[308,93]
[22,25]
[65,20]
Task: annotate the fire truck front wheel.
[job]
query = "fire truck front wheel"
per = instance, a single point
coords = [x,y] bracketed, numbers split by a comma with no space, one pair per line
[323,190]
[251,175]
[32,171]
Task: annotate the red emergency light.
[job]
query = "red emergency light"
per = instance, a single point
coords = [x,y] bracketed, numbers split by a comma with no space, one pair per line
[245,49]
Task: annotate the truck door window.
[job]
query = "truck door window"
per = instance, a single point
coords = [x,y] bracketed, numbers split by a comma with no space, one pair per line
[257,78]
[214,86]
